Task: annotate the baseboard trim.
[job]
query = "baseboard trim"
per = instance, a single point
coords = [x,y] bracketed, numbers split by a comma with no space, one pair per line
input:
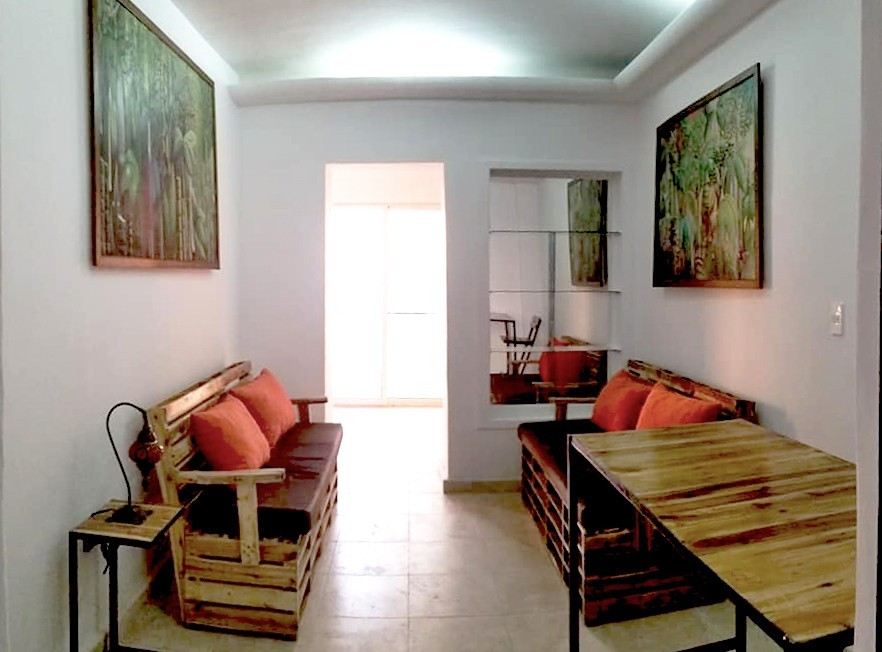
[481,486]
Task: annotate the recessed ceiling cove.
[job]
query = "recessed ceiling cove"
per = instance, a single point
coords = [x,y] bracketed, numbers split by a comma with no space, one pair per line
[307,39]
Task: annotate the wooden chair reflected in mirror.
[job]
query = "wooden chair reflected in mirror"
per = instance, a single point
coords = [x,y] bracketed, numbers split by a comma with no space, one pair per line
[518,359]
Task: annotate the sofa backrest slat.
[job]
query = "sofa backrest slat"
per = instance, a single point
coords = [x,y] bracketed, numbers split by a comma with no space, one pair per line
[170,421]
[734,407]
[192,398]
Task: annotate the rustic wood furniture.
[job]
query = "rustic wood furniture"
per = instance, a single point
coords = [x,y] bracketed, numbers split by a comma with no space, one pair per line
[245,551]
[772,520]
[98,531]
[640,574]
[517,361]
[510,332]
[592,375]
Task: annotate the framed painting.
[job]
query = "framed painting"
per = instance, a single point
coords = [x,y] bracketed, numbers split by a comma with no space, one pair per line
[586,208]
[708,208]
[154,169]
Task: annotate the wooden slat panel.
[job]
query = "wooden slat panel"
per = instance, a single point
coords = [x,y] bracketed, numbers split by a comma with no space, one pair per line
[158,517]
[734,406]
[196,394]
[264,621]
[773,518]
[181,453]
[240,476]
[212,546]
[219,570]
[259,597]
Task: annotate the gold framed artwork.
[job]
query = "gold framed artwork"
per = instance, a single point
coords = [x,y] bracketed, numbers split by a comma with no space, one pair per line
[154,170]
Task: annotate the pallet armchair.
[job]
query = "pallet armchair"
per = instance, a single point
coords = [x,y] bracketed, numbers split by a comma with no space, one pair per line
[245,550]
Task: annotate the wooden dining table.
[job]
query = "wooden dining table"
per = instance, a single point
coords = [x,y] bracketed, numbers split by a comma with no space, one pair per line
[770,519]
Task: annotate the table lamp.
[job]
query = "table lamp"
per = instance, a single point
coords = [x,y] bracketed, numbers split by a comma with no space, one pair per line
[143,450]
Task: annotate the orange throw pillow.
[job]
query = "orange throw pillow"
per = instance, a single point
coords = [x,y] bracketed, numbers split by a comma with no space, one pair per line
[665,407]
[229,437]
[562,367]
[619,402]
[268,403]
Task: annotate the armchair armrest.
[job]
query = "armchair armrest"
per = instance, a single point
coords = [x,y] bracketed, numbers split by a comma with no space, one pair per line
[303,406]
[562,402]
[231,477]
[246,502]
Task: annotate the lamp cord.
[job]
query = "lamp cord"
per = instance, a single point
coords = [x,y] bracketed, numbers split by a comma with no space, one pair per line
[112,445]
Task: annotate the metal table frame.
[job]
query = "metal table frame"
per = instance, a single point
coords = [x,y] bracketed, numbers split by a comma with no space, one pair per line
[577,466]
[109,543]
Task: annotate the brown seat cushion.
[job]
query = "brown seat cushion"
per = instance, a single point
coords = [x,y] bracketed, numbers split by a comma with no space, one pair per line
[308,453]
[213,511]
[548,439]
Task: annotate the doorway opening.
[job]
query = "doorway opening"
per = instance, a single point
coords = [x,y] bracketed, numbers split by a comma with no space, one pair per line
[386,303]
[386,284]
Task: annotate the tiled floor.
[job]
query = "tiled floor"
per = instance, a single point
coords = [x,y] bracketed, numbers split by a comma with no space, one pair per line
[408,568]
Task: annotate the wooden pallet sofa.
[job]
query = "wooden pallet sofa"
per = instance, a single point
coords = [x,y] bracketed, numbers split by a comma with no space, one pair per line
[259,481]
[627,569]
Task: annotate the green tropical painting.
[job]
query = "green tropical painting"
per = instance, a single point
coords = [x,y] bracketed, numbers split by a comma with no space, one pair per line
[153,149]
[708,228]
[586,205]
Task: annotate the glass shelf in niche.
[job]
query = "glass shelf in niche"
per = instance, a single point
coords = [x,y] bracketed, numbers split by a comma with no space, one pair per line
[551,232]
[615,348]
[575,290]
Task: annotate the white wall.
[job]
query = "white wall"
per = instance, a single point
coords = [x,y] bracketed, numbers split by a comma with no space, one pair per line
[75,339]
[285,150]
[868,317]
[823,114]
[772,345]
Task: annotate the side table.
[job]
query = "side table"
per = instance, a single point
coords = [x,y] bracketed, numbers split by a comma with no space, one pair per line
[98,531]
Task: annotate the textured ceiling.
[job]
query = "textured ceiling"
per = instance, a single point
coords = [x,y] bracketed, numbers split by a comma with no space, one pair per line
[304,39]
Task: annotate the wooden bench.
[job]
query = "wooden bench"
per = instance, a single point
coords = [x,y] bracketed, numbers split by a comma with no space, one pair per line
[245,551]
[627,570]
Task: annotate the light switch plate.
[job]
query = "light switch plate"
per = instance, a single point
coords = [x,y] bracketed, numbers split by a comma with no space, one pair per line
[837,318]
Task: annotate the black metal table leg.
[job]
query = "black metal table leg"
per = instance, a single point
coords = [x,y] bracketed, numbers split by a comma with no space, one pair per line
[110,555]
[740,628]
[573,487]
[73,591]
[109,533]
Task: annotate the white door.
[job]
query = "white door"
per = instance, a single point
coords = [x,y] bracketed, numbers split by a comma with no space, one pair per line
[386,292]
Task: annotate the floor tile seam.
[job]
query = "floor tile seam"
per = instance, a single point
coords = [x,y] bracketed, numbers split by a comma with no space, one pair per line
[371,574]
[459,617]
[335,617]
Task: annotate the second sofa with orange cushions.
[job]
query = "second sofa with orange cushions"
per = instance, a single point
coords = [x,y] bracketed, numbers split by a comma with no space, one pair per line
[637,397]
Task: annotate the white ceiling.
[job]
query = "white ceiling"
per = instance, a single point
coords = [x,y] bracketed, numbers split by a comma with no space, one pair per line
[548,50]
[299,39]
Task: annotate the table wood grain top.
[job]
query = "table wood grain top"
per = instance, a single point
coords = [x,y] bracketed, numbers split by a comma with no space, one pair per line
[159,519]
[773,518]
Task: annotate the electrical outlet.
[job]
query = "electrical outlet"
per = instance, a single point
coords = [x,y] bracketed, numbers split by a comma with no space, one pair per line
[837,318]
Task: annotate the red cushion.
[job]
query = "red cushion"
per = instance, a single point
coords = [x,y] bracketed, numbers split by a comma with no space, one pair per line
[619,402]
[562,367]
[268,403]
[665,407]
[229,437]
